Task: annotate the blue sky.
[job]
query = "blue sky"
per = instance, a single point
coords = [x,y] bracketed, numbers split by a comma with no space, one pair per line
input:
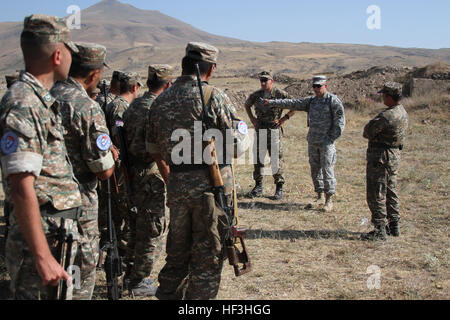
[413,23]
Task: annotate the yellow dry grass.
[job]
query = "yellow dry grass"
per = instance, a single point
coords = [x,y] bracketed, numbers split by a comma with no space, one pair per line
[307,254]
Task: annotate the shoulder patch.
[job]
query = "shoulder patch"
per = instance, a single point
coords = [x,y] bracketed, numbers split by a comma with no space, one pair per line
[104,142]
[119,123]
[242,127]
[9,143]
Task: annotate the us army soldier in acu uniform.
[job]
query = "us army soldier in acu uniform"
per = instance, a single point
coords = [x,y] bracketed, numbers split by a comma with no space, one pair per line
[88,142]
[326,123]
[386,134]
[268,121]
[192,254]
[41,183]
[148,186]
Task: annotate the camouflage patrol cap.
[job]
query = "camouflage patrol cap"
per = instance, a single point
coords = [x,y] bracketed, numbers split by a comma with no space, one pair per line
[202,52]
[42,29]
[162,71]
[319,80]
[392,89]
[265,75]
[10,79]
[130,78]
[90,55]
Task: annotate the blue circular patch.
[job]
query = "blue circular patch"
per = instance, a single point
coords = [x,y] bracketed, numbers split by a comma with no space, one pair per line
[104,142]
[242,127]
[9,143]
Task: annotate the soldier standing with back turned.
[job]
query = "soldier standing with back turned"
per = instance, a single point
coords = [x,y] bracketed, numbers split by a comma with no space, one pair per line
[386,134]
[194,261]
[147,185]
[88,143]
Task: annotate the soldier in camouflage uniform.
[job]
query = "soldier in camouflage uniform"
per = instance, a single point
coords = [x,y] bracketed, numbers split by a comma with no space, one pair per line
[88,143]
[147,184]
[41,185]
[267,122]
[114,90]
[326,121]
[386,134]
[130,84]
[194,261]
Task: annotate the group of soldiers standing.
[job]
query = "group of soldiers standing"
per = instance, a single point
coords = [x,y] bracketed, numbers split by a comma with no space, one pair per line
[59,146]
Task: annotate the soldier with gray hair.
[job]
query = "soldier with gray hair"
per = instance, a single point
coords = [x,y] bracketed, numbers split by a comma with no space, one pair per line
[326,122]
[386,134]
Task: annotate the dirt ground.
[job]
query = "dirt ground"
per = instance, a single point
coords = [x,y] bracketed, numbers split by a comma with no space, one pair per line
[306,254]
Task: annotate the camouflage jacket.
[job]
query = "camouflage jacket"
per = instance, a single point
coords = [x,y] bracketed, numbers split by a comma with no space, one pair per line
[32,141]
[134,119]
[389,127]
[326,116]
[101,100]
[86,135]
[175,120]
[114,115]
[266,115]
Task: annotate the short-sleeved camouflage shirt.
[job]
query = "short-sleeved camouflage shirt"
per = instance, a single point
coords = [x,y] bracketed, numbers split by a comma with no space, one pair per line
[32,141]
[264,114]
[85,133]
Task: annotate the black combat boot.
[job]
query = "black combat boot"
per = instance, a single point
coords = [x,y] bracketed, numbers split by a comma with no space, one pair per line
[393,229]
[379,233]
[257,190]
[279,192]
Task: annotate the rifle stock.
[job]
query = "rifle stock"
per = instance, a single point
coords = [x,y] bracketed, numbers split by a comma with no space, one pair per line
[113,261]
[235,256]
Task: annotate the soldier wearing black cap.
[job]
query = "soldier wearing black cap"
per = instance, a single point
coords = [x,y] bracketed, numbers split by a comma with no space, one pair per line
[386,134]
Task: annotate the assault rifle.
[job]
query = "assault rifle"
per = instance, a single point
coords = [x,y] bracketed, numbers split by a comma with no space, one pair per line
[62,254]
[113,261]
[234,234]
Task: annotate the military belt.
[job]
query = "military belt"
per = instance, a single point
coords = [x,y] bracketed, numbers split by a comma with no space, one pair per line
[47,210]
[192,167]
[384,146]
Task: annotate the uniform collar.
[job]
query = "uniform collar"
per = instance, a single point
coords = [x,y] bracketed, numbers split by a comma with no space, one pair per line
[76,84]
[42,92]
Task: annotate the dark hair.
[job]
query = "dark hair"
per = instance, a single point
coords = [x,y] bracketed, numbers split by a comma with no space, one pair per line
[79,71]
[125,87]
[188,66]
[155,83]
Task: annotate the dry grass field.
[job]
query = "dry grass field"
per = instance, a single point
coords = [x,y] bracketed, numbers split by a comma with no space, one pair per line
[306,254]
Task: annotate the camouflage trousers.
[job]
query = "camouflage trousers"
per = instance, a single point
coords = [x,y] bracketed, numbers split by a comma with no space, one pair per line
[26,284]
[381,185]
[268,140]
[119,210]
[150,224]
[322,159]
[87,254]
[194,253]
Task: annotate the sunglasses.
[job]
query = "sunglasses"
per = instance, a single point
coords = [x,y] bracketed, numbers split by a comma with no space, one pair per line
[317,86]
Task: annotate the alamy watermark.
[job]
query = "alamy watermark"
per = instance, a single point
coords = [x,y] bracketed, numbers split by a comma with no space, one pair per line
[247,148]
[374,281]
[74,20]
[374,20]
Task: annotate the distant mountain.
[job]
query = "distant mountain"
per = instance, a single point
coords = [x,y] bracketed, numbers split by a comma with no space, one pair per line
[135,38]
